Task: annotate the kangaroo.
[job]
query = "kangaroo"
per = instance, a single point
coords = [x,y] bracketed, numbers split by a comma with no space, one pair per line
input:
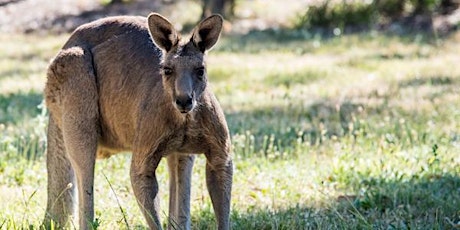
[133,84]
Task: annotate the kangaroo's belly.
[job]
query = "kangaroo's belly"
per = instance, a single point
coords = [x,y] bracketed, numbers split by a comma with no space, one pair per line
[127,72]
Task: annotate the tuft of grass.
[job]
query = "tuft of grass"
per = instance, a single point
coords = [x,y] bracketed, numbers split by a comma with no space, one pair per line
[288,78]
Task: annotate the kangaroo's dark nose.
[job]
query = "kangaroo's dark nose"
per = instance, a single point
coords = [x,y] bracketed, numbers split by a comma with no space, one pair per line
[184,103]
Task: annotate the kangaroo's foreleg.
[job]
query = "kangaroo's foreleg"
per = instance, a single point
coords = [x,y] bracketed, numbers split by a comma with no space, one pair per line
[145,186]
[61,180]
[219,174]
[180,182]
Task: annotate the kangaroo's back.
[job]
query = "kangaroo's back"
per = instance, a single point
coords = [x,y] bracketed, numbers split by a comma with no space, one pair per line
[99,31]
[125,65]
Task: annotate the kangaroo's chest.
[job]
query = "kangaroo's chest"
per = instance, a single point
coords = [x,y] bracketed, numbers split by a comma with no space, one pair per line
[186,139]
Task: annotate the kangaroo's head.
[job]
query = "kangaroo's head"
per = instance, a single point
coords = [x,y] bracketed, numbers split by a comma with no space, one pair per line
[183,65]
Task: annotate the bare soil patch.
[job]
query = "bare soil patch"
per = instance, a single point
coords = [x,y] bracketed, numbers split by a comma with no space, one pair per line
[57,16]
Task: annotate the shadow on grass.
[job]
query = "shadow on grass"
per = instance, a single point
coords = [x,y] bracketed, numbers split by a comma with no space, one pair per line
[17,107]
[283,128]
[432,81]
[420,203]
[285,123]
[307,40]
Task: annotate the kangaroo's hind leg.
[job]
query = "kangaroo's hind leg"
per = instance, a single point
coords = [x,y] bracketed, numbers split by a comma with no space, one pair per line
[61,180]
[76,107]
[180,183]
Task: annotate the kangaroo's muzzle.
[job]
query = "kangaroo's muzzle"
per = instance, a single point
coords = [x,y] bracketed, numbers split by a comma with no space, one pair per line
[185,103]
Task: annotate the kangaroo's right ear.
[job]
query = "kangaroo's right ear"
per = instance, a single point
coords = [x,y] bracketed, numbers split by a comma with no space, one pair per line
[162,32]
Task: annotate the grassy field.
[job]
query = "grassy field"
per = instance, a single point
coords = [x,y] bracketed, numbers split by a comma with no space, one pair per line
[350,132]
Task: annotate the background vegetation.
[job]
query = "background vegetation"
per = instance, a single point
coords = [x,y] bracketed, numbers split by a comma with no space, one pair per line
[330,130]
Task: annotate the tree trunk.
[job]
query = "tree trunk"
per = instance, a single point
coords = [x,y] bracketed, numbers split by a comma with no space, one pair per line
[112,2]
[222,7]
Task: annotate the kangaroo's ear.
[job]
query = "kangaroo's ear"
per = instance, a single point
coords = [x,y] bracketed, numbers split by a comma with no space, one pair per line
[162,32]
[206,33]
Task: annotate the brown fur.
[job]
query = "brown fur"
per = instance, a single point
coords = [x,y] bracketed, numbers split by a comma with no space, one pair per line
[112,89]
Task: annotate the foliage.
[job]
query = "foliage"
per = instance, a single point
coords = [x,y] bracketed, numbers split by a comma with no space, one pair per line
[424,6]
[332,14]
[340,14]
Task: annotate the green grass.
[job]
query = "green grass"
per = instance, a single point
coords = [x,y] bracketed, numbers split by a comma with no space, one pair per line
[352,132]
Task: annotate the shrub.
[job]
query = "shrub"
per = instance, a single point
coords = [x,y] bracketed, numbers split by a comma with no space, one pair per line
[390,8]
[356,13]
[331,14]
[424,6]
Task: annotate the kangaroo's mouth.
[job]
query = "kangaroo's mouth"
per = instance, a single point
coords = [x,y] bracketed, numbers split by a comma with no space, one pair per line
[185,108]
[185,111]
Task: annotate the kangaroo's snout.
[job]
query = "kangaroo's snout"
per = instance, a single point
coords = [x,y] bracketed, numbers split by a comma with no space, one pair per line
[185,103]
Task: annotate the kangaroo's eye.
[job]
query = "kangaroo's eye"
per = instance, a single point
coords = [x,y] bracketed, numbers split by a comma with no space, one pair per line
[167,71]
[200,73]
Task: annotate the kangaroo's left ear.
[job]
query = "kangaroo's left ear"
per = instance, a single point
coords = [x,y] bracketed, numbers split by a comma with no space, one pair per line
[207,32]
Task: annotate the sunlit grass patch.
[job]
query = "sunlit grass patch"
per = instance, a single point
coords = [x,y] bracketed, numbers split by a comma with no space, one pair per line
[293,77]
[23,61]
